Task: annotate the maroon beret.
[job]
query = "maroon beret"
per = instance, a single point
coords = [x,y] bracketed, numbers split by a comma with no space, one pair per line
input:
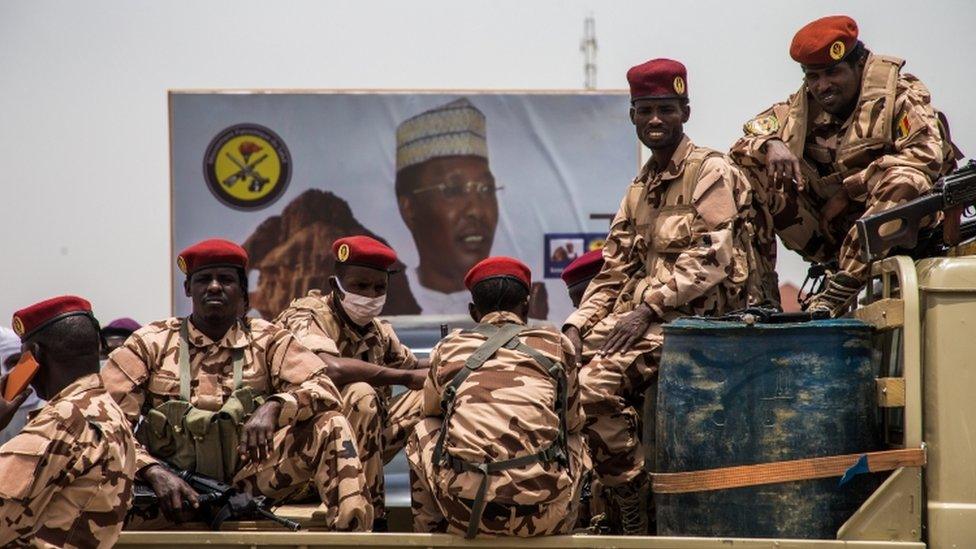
[498,267]
[824,41]
[29,320]
[215,252]
[364,251]
[658,79]
[124,325]
[583,268]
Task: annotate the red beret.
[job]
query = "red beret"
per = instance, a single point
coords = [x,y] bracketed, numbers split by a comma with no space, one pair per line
[29,320]
[215,252]
[824,41]
[498,267]
[364,251]
[583,268]
[658,78]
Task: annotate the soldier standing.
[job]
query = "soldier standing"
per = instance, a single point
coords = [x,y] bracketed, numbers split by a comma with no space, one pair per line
[235,398]
[66,479]
[679,245]
[857,138]
[500,451]
[363,355]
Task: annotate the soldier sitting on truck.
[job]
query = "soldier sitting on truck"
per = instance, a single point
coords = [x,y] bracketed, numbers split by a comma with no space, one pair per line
[236,399]
[500,452]
[363,355]
[66,479]
[678,246]
[857,138]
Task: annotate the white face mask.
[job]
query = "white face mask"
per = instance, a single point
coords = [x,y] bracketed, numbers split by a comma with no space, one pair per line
[361,309]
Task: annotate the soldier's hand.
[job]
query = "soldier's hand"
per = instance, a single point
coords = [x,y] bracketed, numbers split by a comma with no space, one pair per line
[834,208]
[574,337]
[414,379]
[258,432]
[782,166]
[171,490]
[9,407]
[628,330]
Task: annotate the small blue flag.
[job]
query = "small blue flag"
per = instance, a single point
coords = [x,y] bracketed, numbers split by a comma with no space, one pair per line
[858,468]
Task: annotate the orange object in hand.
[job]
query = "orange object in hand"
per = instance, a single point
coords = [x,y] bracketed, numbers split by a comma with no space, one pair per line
[20,376]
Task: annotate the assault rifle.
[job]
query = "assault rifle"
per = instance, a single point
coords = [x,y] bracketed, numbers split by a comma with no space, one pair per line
[898,227]
[218,501]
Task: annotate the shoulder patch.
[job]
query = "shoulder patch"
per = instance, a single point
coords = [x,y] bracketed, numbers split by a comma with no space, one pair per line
[764,125]
[904,127]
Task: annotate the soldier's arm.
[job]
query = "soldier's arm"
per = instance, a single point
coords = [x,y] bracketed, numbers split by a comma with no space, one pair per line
[711,257]
[918,145]
[35,465]
[574,407]
[619,264]
[432,390]
[750,150]
[298,379]
[125,375]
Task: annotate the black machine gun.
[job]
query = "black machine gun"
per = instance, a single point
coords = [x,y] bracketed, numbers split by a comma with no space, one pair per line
[898,227]
[218,501]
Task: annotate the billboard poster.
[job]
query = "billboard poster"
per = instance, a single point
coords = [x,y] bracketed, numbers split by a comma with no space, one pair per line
[445,178]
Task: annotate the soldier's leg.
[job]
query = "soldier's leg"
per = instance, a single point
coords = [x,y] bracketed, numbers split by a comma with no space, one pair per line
[890,188]
[427,514]
[406,409]
[361,406]
[764,239]
[322,450]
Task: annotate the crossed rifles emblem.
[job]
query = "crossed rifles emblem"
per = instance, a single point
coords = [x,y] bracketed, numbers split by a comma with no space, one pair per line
[247,168]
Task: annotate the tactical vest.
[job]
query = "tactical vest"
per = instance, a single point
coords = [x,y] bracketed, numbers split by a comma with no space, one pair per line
[507,336]
[200,440]
[870,135]
[669,230]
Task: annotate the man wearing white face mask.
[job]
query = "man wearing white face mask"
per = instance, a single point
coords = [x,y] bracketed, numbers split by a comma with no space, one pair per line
[363,355]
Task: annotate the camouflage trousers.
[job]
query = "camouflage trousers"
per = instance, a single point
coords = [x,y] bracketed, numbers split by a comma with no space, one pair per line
[320,451]
[437,510]
[795,215]
[611,392]
[380,432]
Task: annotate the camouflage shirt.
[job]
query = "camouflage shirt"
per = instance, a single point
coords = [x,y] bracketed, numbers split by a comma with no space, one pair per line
[66,479]
[145,371]
[504,410]
[915,139]
[316,323]
[690,254]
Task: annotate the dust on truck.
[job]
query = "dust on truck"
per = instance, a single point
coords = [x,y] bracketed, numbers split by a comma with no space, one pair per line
[922,315]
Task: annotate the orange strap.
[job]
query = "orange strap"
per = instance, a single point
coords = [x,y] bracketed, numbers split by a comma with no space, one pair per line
[782,471]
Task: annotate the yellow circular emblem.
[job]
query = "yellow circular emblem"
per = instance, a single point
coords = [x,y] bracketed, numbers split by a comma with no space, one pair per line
[181,263]
[18,326]
[762,126]
[837,50]
[679,85]
[343,252]
[247,166]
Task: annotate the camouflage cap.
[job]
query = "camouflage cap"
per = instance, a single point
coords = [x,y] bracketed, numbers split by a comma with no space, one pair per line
[454,129]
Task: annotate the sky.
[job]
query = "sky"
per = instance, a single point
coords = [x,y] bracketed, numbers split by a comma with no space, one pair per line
[84,129]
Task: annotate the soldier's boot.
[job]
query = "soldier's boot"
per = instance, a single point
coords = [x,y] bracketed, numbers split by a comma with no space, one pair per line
[630,501]
[836,297]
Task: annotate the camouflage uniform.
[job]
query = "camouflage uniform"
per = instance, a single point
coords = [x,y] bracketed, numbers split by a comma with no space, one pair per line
[381,425]
[66,479]
[313,443]
[689,255]
[503,410]
[886,153]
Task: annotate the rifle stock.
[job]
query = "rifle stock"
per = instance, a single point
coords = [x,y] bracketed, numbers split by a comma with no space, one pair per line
[899,226]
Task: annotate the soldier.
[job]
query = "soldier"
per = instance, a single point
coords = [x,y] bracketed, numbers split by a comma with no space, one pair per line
[363,355]
[235,398]
[500,452]
[578,274]
[66,479]
[857,138]
[679,245]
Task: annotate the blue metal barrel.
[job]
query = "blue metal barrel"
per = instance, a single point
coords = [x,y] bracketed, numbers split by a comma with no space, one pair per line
[735,394]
